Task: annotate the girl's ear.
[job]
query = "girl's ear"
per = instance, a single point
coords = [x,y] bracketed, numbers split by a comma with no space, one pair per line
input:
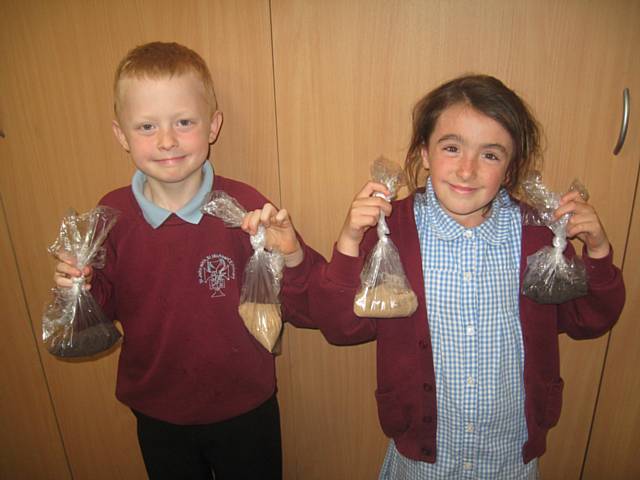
[425,156]
[120,136]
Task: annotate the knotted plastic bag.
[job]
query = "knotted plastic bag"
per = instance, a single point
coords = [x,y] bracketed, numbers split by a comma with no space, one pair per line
[384,289]
[259,303]
[550,277]
[73,324]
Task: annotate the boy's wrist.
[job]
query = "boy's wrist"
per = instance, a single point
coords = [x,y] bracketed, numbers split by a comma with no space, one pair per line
[294,259]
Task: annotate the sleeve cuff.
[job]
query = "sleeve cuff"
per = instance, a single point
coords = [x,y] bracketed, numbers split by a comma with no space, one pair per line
[599,270]
[345,270]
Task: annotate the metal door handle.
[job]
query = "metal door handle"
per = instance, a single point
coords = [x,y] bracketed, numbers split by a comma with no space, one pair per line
[625,122]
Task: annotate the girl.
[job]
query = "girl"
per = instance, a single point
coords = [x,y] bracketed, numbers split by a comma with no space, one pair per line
[469,385]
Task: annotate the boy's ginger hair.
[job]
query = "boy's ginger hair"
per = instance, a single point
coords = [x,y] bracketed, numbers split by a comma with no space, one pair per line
[158,60]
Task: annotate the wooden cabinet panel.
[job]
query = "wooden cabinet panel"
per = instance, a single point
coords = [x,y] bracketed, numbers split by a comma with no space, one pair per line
[30,442]
[57,61]
[347,75]
[615,437]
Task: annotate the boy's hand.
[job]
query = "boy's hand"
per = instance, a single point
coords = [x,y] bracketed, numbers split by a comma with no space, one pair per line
[363,214]
[584,224]
[66,271]
[281,235]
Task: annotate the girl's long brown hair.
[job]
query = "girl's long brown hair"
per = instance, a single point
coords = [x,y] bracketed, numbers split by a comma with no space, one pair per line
[491,97]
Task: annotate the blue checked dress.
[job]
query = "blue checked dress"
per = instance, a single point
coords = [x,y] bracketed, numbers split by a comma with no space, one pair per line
[471,279]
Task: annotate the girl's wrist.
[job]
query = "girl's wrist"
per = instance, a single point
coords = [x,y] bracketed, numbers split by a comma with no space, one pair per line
[348,246]
[600,252]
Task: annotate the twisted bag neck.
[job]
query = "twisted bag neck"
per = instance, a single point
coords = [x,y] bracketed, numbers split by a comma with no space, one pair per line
[78,285]
[382,228]
[559,244]
[258,240]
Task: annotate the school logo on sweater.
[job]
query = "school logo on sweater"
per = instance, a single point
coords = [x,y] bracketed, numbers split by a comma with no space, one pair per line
[214,271]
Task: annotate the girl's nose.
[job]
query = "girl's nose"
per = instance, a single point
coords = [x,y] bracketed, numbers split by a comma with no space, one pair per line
[467,166]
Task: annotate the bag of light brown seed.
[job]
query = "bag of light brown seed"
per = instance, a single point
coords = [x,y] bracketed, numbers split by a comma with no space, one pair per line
[384,289]
[259,302]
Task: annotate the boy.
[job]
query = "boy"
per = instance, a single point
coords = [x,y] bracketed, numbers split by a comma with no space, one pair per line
[201,387]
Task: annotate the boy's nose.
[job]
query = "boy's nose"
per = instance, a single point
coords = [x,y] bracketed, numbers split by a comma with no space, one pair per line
[167,139]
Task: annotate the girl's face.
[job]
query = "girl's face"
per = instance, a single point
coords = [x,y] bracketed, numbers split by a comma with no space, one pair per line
[467,155]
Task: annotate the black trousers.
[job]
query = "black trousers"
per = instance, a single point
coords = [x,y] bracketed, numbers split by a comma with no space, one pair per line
[244,447]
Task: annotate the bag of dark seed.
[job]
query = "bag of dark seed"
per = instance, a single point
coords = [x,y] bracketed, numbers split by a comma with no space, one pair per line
[549,276]
[73,324]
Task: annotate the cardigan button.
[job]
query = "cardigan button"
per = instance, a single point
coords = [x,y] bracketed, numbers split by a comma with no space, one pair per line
[427,387]
[422,344]
[426,451]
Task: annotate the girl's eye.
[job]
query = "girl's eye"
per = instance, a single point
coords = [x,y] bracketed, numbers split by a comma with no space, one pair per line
[451,148]
[491,156]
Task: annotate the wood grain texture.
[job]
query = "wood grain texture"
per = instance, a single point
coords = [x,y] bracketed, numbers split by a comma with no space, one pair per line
[615,438]
[30,441]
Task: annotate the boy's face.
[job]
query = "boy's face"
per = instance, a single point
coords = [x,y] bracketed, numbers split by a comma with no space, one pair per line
[467,155]
[166,125]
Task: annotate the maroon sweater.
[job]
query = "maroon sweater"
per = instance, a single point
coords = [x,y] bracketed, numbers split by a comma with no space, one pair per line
[406,393]
[187,357]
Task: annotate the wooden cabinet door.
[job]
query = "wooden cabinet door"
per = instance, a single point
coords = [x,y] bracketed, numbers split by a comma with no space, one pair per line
[57,60]
[30,441]
[615,438]
[346,77]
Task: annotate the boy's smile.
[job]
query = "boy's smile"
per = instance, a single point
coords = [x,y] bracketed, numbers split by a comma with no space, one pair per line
[467,155]
[167,126]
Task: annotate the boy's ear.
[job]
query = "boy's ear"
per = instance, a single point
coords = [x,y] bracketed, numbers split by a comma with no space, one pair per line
[122,139]
[216,125]
[425,156]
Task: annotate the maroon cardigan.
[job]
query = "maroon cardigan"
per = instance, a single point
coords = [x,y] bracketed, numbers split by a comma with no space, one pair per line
[405,394]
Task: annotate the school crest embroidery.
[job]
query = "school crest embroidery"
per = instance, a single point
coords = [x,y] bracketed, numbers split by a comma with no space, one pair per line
[214,271]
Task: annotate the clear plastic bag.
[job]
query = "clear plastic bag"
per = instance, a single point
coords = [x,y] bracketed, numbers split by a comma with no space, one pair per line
[384,289]
[550,277]
[73,324]
[259,303]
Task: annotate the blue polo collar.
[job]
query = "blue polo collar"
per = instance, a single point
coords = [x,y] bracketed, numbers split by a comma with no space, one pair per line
[156,216]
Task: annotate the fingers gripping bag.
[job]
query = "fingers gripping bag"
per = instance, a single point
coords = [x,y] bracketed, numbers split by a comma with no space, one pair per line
[259,303]
[384,289]
[73,324]
[549,276]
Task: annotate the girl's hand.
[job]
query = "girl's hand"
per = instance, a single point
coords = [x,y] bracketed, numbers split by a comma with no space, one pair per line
[280,234]
[584,224]
[363,214]
[66,271]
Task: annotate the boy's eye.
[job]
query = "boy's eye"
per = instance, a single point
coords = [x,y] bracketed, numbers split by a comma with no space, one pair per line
[185,122]
[146,127]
